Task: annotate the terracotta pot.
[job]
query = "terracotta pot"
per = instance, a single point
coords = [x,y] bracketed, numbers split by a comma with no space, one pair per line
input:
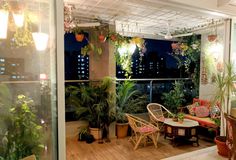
[122,130]
[79,37]
[223,149]
[211,37]
[101,38]
[113,37]
[96,132]
[175,46]
[180,121]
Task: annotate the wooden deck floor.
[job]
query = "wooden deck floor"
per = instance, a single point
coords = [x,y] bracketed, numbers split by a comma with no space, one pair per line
[122,149]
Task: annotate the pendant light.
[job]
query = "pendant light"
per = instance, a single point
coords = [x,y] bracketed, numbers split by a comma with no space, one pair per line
[17,8]
[4,23]
[40,38]
[18,18]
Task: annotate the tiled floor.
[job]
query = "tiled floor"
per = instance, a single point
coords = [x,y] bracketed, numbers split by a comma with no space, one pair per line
[209,153]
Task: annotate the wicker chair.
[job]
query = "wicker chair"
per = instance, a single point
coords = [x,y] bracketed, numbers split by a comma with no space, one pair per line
[32,157]
[143,131]
[231,135]
[157,115]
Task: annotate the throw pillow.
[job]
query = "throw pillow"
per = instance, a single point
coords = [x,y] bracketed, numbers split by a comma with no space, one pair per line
[202,111]
[191,109]
[215,112]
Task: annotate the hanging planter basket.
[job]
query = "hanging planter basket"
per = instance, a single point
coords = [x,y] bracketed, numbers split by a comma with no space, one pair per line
[102,38]
[211,37]
[79,37]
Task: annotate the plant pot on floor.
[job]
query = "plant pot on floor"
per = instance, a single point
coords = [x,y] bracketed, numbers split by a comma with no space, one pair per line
[122,130]
[221,146]
[96,132]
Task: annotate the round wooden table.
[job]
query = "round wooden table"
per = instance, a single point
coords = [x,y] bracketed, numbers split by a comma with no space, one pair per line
[186,130]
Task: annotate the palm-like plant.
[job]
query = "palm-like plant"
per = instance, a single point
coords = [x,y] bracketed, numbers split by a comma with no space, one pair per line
[128,100]
[224,87]
[94,103]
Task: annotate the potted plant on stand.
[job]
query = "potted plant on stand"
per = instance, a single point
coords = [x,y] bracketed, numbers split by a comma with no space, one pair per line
[128,100]
[224,86]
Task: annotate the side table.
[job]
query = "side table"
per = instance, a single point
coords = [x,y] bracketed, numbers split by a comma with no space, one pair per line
[186,130]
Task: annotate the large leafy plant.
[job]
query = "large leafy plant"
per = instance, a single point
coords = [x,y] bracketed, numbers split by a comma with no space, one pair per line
[23,133]
[94,102]
[128,100]
[187,53]
[174,98]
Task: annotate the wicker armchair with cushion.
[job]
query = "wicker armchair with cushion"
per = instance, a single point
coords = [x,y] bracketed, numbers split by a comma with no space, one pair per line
[158,113]
[142,131]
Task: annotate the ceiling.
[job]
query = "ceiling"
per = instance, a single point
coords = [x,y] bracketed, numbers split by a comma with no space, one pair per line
[144,17]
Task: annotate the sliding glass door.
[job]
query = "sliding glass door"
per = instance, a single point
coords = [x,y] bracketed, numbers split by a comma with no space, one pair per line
[28,83]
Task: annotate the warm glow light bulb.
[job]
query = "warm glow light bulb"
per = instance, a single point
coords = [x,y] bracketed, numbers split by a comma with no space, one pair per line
[40,40]
[216,49]
[4,23]
[18,19]
[122,50]
[131,48]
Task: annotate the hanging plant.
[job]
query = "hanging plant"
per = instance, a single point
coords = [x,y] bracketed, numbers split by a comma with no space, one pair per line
[23,36]
[101,38]
[79,34]
[187,54]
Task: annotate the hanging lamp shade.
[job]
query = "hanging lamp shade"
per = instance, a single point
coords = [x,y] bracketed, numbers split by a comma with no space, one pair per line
[19,19]
[40,40]
[4,23]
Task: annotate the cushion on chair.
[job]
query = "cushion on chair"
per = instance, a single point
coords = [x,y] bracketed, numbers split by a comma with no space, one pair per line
[146,129]
[202,111]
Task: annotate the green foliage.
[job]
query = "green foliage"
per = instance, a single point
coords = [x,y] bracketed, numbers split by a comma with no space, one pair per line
[124,61]
[94,103]
[187,55]
[24,132]
[77,30]
[128,100]
[23,36]
[174,98]
[180,116]
[225,85]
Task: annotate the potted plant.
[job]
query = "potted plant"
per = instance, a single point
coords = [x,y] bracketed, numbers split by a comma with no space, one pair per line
[128,100]
[22,134]
[174,98]
[94,103]
[180,117]
[79,34]
[224,86]
[211,37]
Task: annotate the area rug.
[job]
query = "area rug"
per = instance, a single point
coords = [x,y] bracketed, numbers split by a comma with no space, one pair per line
[209,153]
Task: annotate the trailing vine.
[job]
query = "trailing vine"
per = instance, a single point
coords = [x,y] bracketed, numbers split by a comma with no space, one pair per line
[187,53]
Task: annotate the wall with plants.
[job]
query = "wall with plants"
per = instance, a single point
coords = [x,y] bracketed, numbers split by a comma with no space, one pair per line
[211,63]
[187,52]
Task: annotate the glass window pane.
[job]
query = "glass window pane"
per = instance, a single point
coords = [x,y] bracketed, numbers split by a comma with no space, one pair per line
[28,119]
